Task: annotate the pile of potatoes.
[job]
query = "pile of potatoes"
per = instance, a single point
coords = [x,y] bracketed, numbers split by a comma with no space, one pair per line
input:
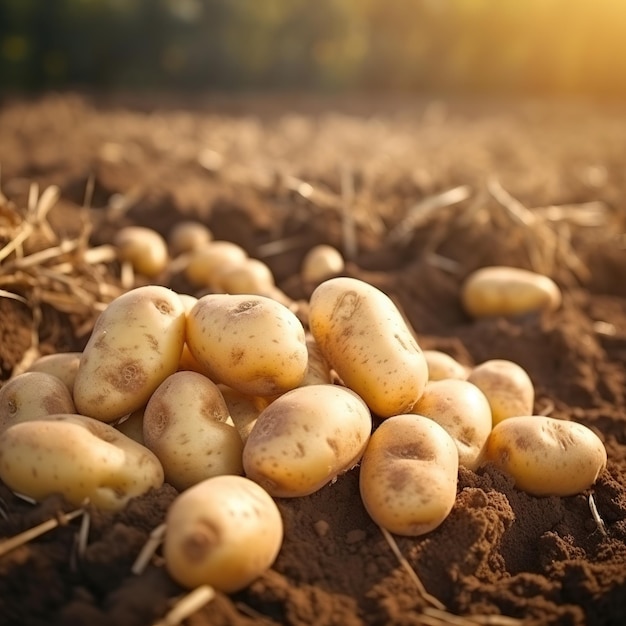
[235,401]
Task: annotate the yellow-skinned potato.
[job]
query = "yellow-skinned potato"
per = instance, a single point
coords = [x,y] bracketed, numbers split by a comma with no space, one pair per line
[78,457]
[366,340]
[546,456]
[508,388]
[243,409]
[135,345]
[187,360]
[251,276]
[442,366]
[463,411]
[502,290]
[318,370]
[320,263]
[32,395]
[187,236]
[205,262]
[251,343]
[187,426]
[63,365]
[306,438]
[408,475]
[224,532]
[144,248]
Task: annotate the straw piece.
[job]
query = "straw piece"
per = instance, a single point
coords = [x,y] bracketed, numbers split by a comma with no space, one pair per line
[596,516]
[150,547]
[187,606]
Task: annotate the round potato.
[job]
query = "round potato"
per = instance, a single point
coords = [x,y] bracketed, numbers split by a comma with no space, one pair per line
[135,345]
[205,261]
[251,276]
[546,456]
[507,386]
[366,340]
[224,532]
[144,248]
[320,263]
[187,236]
[408,475]
[251,343]
[187,426]
[463,410]
[442,366]
[77,457]
[63,365]
[305,438]
[502,290]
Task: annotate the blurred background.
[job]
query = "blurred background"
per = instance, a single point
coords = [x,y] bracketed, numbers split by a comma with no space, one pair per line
[526,47]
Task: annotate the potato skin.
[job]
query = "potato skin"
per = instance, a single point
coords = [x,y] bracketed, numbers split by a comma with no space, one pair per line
[442,366]
[408,475]
[305,438]
[144,248]
[225,532]
[135,345]
[63,365]
[366,340]
[546,456]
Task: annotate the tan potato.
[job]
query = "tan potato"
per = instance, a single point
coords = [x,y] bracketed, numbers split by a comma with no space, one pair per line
[224,532]
[320,263]
[251,276]
[144,248]
[306,438]
[251,343]
[204,262]
[32,395]
[187,426]
[501,290]
[135,345]
[546,456]
[463,410]
[187,236]
[63,365]
[187,360]
[408,477]
[242,408]
[366,340]
[442,366]
[507,386]
[77,457]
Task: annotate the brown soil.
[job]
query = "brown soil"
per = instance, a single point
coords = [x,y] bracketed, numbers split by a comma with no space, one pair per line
[501,551]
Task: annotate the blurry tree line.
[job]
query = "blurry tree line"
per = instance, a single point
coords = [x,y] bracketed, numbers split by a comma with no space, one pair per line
[528,46]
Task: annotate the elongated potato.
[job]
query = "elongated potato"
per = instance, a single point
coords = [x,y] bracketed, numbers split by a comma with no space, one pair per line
[366,340]
[305,438]
[187,426]
[463,411]
[251,343]
[546,456]
[225,532]
[63,365]
[442,366]
[502,290]
[408,475]
[135,345]
[507,386]
[78,457]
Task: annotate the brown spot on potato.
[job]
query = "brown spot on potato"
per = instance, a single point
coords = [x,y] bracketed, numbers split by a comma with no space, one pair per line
[129,377]
[399,476]
[333,445]
[163,306]
[415,450]
[245,306]
[236,355]
[346,306]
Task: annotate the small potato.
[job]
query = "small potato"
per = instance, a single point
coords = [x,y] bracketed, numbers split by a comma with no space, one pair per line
[77,457]
[144,248]
[508,388]
[306,438]
[251,343]
[442,366]
[63,365]
[463,410]
[501,290]
[546,456]
[135,345]
[408,476]
[32,395]
[320,263]
[187,426]
[252,276]
[204,262]
[187,236]
[224,532]
[367,342]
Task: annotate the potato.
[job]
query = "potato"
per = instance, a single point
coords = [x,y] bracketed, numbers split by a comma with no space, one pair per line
[187,236]
[187,361]
[224,532]
[251,276]
[144,248]
[32,395]
[204,262]
[546,456]
[242,408]
[366,340]
[442,366]
[251,343]
[320,263]
[507,386]
[318,370]
[187,426]
[501,290]
[306,438]
[135,345]
[77,457]
[63,365]
[463,410]
[408,475]
[132,425]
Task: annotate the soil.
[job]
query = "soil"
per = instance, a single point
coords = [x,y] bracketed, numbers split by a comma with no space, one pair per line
[232,163]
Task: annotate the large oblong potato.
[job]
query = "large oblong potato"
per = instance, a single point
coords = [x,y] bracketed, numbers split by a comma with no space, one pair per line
[249,342]
[187,425]
[546,456]
[77,457]
[135,345]
[366,340]
[408,475]
[305,438]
